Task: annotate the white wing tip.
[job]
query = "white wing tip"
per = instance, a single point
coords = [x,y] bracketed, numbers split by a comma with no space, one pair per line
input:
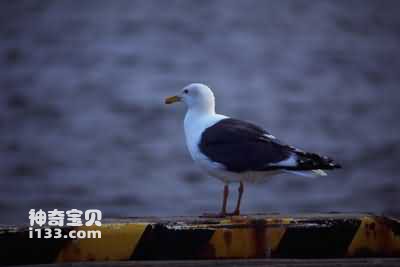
[319,172]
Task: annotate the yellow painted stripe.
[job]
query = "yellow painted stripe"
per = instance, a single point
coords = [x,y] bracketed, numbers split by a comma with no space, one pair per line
[246,242]
[374,237]
[117,242]
[275,234]
[274,237]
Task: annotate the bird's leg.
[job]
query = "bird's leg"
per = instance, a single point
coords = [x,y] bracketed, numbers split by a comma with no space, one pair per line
[225,200]
[224,203]
[237,209]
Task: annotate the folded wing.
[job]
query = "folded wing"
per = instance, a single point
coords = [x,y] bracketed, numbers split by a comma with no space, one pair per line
[242,146]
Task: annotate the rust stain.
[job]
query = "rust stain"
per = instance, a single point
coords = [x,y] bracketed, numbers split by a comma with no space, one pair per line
[228,237]
[259,237]
[91,257]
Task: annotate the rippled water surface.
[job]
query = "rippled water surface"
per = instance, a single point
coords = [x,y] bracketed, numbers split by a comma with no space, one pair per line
[83,124]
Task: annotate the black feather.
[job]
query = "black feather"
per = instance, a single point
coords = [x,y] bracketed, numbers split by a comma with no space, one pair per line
[242,146]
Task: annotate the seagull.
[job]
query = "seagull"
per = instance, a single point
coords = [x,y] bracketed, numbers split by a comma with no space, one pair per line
[237,151]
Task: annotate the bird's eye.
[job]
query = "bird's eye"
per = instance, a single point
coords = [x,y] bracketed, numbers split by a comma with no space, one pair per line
[185,91]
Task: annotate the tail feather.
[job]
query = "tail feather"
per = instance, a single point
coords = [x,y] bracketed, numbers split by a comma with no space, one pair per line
[315,162]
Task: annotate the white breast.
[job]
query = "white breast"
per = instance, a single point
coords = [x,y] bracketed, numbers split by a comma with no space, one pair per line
[194,125]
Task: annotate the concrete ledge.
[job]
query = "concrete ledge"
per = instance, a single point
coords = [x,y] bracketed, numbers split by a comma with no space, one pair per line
[365,262]
[329,235]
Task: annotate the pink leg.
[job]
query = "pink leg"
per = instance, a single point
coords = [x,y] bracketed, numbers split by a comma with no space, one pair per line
[224,204]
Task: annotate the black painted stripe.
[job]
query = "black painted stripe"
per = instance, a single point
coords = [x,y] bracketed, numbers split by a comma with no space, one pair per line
[17,248]
[325,238]
[160,242]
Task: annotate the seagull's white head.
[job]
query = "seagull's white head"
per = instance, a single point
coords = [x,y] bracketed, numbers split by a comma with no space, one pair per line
[196,96]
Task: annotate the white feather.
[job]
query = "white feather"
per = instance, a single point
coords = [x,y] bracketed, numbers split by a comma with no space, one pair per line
[309,174]
[289,162]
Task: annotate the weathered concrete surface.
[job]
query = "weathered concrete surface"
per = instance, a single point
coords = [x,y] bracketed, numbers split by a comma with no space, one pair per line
[253,236]
[368,262]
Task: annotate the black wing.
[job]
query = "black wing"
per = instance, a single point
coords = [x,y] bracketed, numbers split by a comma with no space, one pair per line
[242,146]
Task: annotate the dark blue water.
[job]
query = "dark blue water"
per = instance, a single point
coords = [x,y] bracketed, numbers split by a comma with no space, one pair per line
[83,124]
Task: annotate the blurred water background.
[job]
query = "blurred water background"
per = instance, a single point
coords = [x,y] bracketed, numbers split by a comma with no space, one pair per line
[83,124]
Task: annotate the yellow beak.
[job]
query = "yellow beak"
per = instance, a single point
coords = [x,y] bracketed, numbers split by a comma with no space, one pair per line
[172,99]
